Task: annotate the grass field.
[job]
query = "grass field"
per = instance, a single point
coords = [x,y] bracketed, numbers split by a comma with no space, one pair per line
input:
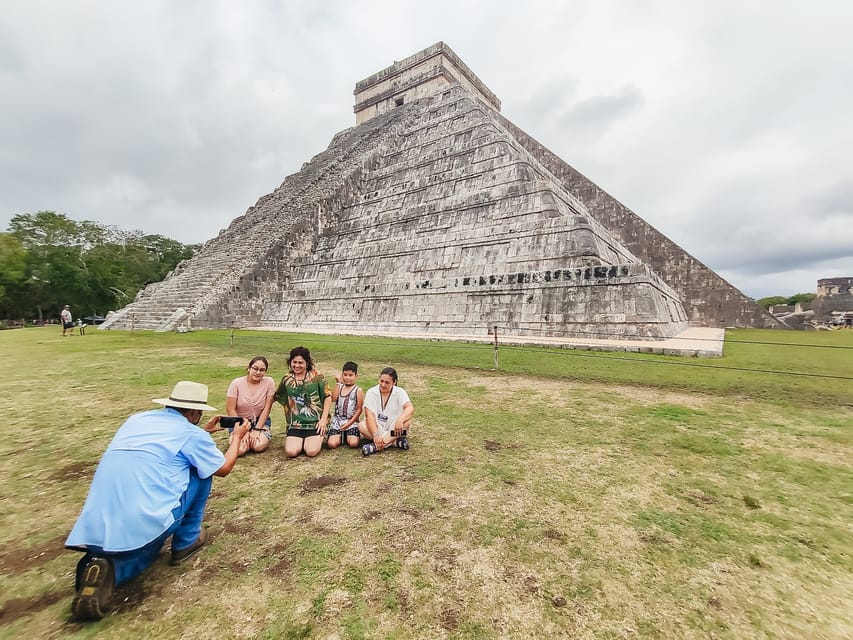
[568,494]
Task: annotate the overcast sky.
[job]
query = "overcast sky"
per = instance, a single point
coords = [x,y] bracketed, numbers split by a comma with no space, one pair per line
[727,125]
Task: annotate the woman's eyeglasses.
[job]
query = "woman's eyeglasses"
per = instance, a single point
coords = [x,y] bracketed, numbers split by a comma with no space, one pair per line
[258,369]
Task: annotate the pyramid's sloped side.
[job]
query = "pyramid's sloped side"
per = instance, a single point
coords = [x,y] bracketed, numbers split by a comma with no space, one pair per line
[228,281]
[708,299]
[457,228]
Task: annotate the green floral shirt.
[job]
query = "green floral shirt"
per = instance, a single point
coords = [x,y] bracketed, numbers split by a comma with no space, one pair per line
[303,400]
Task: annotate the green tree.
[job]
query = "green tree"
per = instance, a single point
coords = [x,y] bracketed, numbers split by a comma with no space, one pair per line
[44,229]
[801,297]
[165,253]
[13,272]
[794,299]
[771,301]
[55,267]
[92,266]
[57,278]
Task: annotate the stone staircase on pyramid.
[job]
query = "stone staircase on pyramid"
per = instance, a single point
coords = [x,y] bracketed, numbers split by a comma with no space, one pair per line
[256,249]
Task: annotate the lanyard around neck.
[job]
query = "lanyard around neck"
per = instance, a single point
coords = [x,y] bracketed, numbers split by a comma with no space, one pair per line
[384,404]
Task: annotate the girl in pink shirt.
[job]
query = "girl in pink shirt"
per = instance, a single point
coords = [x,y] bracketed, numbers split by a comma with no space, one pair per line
[251,397]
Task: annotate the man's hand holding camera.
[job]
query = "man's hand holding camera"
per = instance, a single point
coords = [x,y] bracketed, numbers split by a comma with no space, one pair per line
[240,428]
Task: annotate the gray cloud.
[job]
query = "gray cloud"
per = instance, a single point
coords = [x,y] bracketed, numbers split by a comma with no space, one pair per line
[837,198]
[593,116]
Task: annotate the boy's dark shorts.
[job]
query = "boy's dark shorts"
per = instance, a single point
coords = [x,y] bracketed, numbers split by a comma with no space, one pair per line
[347,433]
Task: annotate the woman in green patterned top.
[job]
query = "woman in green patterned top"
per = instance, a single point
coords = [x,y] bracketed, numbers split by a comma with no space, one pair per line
[306,399]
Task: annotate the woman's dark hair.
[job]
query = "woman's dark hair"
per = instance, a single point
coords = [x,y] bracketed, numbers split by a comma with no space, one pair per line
[388,371]
[259,359]
[350,366]
[304,354]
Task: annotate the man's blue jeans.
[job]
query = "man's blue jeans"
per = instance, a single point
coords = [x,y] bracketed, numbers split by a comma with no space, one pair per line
[184,531]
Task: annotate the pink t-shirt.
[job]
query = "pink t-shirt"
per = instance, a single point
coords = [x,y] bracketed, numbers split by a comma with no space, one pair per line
[251,398]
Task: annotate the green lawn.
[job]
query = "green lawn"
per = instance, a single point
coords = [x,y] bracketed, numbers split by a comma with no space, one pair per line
[570,494]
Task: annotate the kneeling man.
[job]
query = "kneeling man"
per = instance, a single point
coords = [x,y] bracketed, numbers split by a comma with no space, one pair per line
[152,482]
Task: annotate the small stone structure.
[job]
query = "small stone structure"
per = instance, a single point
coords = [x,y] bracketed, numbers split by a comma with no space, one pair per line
[835,288]
[424,74]
[795,316]
[834,300]
[435,214]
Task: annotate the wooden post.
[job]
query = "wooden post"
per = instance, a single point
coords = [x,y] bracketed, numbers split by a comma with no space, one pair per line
[232,333]
[496,347]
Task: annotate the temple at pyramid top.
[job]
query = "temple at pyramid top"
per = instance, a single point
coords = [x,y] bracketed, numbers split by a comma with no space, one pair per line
[421,75]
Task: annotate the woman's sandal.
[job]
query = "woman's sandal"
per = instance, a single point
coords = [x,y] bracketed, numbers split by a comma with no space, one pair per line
[368,449]
[402,443]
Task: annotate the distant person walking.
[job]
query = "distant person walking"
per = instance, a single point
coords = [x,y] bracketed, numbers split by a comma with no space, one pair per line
[67,320]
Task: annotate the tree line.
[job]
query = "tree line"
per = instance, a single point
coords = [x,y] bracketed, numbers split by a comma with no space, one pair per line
[792,300]
[48,260]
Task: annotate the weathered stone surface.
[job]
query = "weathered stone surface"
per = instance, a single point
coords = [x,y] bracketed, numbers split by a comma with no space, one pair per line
[708,299]
[833,295]
[434,216]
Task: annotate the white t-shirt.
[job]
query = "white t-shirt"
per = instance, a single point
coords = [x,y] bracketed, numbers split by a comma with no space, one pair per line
[386,415]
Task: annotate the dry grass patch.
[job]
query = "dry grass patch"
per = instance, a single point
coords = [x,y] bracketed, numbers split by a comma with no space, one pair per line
[528,507]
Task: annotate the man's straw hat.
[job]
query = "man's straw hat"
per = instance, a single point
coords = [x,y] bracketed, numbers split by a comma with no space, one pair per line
[187,395]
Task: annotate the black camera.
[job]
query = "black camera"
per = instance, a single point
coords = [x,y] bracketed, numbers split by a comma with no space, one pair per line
[395,433]
[229,422]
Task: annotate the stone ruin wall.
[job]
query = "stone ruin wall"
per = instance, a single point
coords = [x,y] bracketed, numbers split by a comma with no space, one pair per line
[833,294]
[708,299]
[835,287]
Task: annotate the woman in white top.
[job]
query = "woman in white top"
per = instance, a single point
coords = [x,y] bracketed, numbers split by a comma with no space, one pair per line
[388,414]
[251,396]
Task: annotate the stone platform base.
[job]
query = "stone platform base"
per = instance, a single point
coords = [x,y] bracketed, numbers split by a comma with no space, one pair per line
[696,342]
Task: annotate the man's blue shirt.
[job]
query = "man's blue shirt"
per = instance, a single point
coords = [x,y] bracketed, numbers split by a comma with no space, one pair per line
[141,478]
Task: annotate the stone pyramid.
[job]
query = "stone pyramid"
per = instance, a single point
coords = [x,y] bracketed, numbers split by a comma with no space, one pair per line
[436,215]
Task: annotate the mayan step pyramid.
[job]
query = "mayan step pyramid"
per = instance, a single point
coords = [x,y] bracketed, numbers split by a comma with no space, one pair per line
[436,215]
